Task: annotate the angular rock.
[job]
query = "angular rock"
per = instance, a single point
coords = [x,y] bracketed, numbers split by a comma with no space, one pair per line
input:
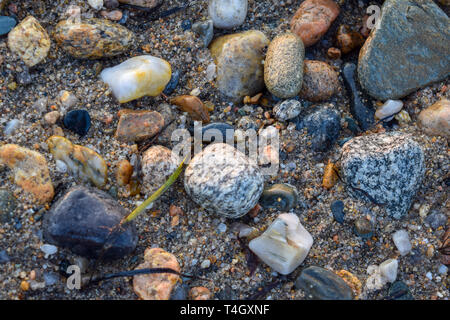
[406,51]
[139,125]
[388,270]
[320,81]
[401,241]
[435,120]
[382,274]
[227,14]
[205,29]
[399,291]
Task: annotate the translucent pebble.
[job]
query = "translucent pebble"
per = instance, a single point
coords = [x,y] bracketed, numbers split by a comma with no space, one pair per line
[48,249]
[401,241]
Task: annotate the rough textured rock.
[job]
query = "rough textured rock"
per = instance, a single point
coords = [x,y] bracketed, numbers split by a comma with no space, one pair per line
[223,181]
[408,51]
[238,58]
[435,120]
[320,81]
[138,125]
[80,220]
[389,167]
[227,14]
[283,67]
[7,205]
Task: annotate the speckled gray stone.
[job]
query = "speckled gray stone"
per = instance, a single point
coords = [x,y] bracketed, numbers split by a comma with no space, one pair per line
[287,109]
[223,181]
[283,67]
[388,166]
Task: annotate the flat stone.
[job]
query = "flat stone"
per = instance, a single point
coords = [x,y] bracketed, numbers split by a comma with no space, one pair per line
[137,126]
[435,120]
[193,106]
[389,108]
[143,3]
[337,208]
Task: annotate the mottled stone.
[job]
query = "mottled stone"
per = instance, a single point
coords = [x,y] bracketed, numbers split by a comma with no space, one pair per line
[238,58]
[320,81]
[200,293]
[139,125]
[7,205]
[92,38]
[223,181]
[330,177]
[348,40]
[280,196]
[81,221]
[227,14]
[389,167]
[143,3]
[193,106]
[283,67]
[124,172]
[406,51]
[30,171]
[29,41]
[363,227]
[435,120]
[287,109]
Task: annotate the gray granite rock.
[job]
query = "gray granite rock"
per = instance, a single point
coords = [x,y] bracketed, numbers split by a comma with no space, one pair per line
[388,167]
[287,109]
[7,205]
[409,50]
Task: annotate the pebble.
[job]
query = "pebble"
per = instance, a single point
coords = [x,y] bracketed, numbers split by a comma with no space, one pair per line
[30,171]
[173,83]
[137,77]
[436,220]
[115,15]
[82,162]
[193,106]
[223,181]
[238,58]
[313,18]
[288,109]
[443,270]
[283,67]
[401,241]
[124,172]
[216,132]
[4,258]
[388,270]
[284,245]
[51,117]
[50,278]
[382,274]
[78,121]
[337,208]
[48,250]
[180,292]
[11,127]
[322,284]
[135,126]
[400,291]
[320,81]
[283,197]
[67,99]
[227,14]
[158,163]
[80,221]
[157,286]
[8,205]
[388,166]
[205,264]
[92,38]
[143,3]
[222,228]
[205,29]
[29,41]
[435,120]
[348,40]
[363,228]
[96,4]
[389,108]
[330,177]
[200,293]
[6,24]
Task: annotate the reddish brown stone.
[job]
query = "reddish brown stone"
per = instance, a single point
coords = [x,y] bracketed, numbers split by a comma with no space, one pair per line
[192,105]
[138,125]
[334,53]
[348,40]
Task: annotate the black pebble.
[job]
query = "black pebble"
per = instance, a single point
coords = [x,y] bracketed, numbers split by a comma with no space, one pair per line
[337,208]
[78,121]
[170,87]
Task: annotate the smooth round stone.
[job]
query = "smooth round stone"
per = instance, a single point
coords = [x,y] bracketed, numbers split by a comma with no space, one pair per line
[389,108]
[320,81]
[337,208]
[363,228]
[227,14]
[6,24]
[7,205]
[205,29]
[287,109]
[280,196]
[223,181]
[435,120]
[322,284]
[399,291]
[78,121]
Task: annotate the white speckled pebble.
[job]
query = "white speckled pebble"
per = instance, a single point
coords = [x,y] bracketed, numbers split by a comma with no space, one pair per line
[227,14]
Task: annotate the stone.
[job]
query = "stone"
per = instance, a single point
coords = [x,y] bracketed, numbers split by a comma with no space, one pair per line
[216,132]
[124,172]
[156,286]
[158,163]
[96,4]
[11,127]
[193,106]
[322,284]
[92,38]
[30,171]
[200,293]
[284,245]
[115,15]
[330,177]
[143,3]
[81,221]
[401,241]
[6,24]
[435,120]
[287,109]
[205,29]
[334,53]
[389,167]
[135,126]
[67,99]
[137,77]
[388,109]
[363,228]
[352,281]
[48,250]
[436,220]
[29,41]
[388,270]
[399,291]
[283,67]
[4,258]
[78,121]
[238,58]
[337,208]
[313,18]
[227,14]
[283,197]
[223,181]
[323,124]
[173,83]
[419,30]
[7,206]
[348,40]
[83,163]
[320,81]
[51,117]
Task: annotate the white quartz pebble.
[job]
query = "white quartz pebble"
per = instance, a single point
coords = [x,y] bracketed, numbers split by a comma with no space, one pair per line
[401,241]
[388,270]
[390,107]
[227,14]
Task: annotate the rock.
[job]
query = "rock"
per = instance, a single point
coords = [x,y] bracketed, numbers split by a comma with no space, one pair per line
[67,99]
[352,281]
[435,120]
[223,181]
[330,177]
[192,105]
[436,220]
[287,109]
[313,18]
[399,291]
[40,105]
[363,228]
[92,38]
[77,121]
[29,41]
[322,284]
[158,163]
[348,40]
[419,28]
[334,53]
[173,83]
[360,109]
[51,117]
[238,58]
[11,127]
[4,258]
[30,171]
[389,167]
[96,4]
[143,3]
[200,293]
[180,292]
[137,77]
[388,270]
[205,29]
[283,67]
[320,81]
[401,241]
[115,15]
[82,162]
[227,14]
[7,206]
[283,197]
[81,221]
[389,108]
[216,132]
[124,172]
[284,245]
[48,250]
[156,286]
[337,208]
[323,124]
[6,24]
[135,126]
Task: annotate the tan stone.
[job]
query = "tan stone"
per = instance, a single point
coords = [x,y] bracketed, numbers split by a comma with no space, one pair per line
[200,293]
[138,125]
[124,172]
[435,120]
[320,81]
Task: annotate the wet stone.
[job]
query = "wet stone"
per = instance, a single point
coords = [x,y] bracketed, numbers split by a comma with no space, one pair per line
[6,24]
[337,208]
[283,197]
[77,121]
[7,205]
[193,106]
